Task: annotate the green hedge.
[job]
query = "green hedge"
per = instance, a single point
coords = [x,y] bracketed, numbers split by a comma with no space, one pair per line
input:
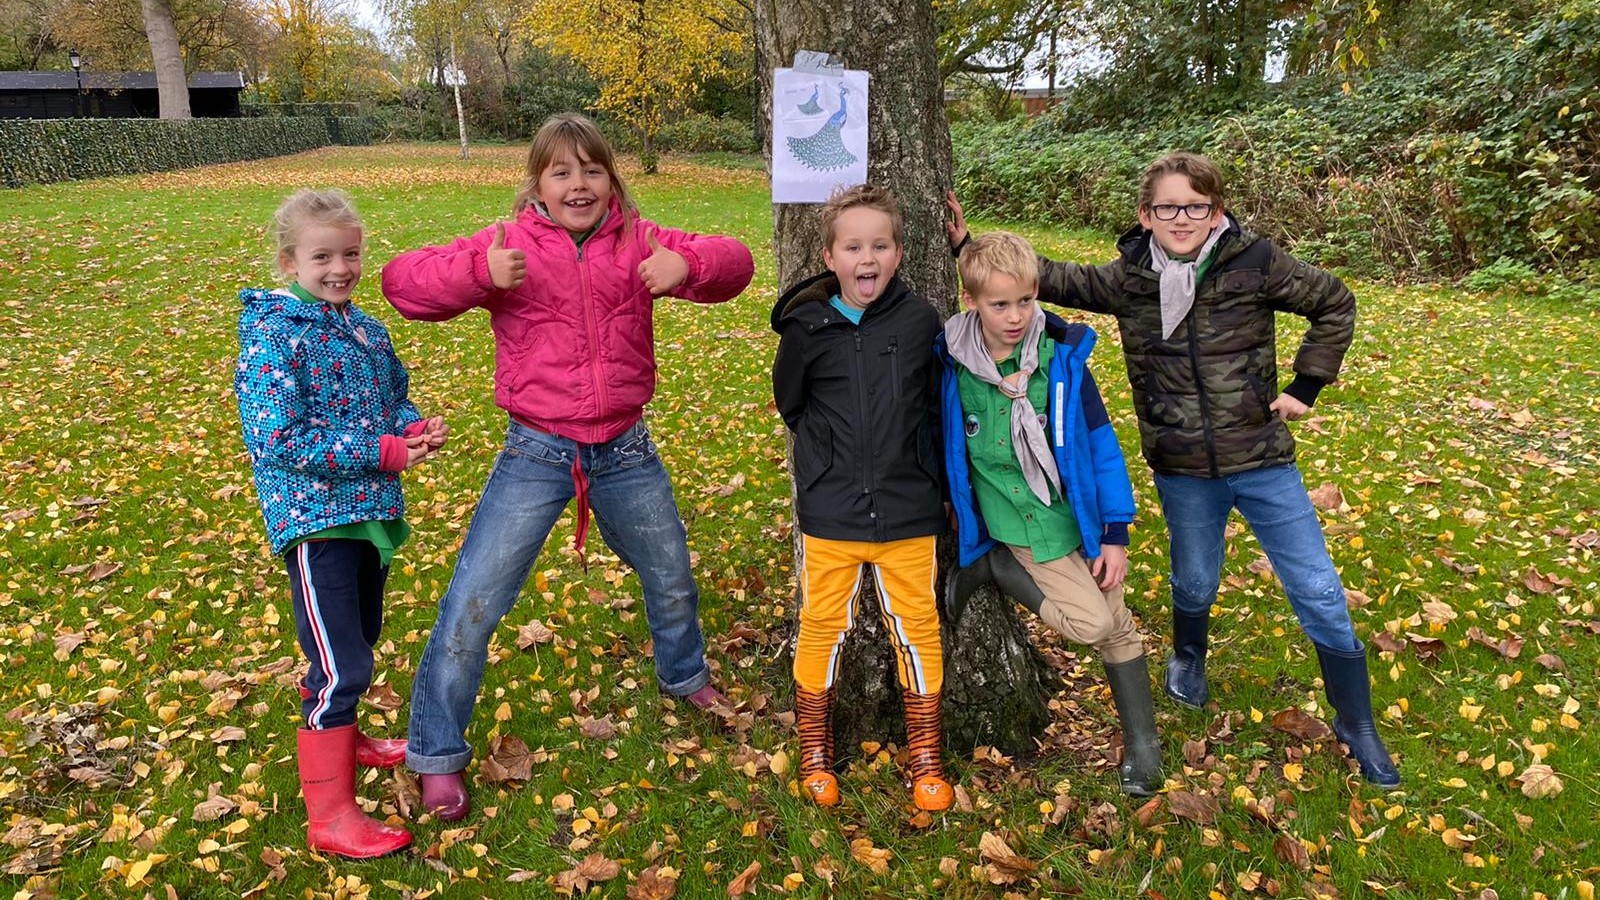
[282,110]
[40,151]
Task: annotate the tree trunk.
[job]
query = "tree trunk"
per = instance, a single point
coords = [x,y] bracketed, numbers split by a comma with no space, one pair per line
[172,84]
[455,81]
[996,686]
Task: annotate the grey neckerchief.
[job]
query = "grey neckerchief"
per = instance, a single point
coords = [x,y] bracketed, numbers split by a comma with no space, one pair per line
[963,334]
[1177,278]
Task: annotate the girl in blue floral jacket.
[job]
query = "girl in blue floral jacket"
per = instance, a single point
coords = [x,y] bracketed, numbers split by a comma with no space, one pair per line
[323,405]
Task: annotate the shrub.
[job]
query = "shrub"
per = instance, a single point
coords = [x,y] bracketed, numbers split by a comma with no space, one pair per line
[39,151]
[702,133]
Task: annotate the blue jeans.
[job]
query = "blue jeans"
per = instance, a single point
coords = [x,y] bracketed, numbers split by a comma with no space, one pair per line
[530,485]
[1274,504]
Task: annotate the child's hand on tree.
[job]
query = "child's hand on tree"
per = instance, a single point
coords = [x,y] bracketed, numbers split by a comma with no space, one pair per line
[1111,567]
[956,228]
[1288,408]
[664,270]
[507,268]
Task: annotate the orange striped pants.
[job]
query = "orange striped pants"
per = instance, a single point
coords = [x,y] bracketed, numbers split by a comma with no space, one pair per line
[830,580]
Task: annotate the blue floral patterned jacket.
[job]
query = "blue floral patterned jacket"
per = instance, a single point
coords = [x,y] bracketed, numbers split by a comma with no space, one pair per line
[318,386]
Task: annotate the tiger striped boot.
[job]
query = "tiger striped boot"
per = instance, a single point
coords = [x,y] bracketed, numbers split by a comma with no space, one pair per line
[813,714]
[925,737]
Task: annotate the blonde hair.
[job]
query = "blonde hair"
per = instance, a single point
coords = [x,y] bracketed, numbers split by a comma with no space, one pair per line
[577,134]
[310,206]
[997,252]
[869,196]
[1203,174]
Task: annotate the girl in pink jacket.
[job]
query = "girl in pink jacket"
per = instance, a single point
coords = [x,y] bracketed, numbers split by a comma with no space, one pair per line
[570,287]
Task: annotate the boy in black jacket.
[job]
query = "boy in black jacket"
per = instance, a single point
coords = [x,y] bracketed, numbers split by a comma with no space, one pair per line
[856,381]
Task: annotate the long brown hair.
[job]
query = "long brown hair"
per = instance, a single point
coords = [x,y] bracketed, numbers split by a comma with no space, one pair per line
[575,133]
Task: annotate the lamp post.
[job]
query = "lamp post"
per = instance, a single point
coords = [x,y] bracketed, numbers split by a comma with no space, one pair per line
[77,71]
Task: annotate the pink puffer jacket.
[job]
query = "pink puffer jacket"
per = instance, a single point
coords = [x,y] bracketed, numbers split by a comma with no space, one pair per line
[575,342]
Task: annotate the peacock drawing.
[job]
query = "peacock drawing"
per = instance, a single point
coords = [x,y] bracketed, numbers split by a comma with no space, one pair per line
[824,150]
[812,107]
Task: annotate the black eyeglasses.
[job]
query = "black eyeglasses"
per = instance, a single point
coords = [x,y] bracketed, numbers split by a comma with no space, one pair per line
[1166,212]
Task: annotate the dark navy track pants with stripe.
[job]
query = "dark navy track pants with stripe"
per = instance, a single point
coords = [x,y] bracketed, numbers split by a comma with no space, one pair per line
[337,586]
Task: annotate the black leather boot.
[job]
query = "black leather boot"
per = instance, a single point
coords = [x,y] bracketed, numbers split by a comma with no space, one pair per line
[1186,667]
[1344,677]
[1141,747]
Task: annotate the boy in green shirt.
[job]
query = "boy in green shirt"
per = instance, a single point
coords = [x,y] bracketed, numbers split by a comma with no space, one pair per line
[1034,467]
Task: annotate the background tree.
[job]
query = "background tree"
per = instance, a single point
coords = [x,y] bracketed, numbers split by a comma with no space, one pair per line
[27,36]
[648,56]
[436,27]
[172,82]
[996,687]
[215,35]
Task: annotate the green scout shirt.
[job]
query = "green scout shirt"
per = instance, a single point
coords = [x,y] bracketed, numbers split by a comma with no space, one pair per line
[1010,510]
[385,535]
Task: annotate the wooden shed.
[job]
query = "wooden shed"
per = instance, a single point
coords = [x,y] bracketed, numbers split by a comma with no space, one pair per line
[112,95]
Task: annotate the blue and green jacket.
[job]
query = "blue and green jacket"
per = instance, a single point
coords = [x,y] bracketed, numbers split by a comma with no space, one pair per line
[1094,475]
[317,391]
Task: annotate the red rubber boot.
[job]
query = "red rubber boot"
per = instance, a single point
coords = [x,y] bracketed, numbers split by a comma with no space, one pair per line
[328,782]
[374,753]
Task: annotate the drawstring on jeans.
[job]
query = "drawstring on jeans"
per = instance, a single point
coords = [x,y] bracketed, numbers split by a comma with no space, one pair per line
[580,485]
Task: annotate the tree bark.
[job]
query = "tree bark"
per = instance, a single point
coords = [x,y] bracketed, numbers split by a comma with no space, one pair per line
[172,83]
[997,687]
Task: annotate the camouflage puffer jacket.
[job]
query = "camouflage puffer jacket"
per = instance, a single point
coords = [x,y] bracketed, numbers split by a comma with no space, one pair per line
[1202,396]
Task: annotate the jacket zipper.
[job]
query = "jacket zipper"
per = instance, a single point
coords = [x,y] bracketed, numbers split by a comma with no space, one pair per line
[864,433]
[1202,395]
[585,295]
[379,365]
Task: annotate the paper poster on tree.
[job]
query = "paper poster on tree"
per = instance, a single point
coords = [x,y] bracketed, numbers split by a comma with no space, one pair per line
[819,133]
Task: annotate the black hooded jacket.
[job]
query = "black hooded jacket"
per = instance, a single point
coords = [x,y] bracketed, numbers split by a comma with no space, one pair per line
[863,404]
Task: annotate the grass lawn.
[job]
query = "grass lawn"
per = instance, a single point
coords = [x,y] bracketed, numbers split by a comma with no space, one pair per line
[150,656]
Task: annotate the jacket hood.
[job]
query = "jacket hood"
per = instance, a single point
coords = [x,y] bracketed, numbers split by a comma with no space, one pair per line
[1134,244]
[818,289]
[259,303]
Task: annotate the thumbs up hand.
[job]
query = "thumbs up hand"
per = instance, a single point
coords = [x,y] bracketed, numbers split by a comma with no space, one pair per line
[664,269]
[507,268]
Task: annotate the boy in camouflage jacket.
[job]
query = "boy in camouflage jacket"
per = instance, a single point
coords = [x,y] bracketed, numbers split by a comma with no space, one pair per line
[1195,295]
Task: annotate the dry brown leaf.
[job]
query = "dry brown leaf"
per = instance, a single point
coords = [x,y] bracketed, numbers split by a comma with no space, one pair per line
[534,632]
[652,885]
[1290,851]
[1509,646]
[508,760]
[213,808]
[384,697]
[874,858]
[1425,646]
[1551,661]
[1383,640]
[1328,498]
[1194,807]
[1294,721]
[601,729]
[1540,781]
[1004,865]
[1437,612]
[746,881]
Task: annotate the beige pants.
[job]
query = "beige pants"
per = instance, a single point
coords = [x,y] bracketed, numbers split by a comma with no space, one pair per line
[1075,606]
